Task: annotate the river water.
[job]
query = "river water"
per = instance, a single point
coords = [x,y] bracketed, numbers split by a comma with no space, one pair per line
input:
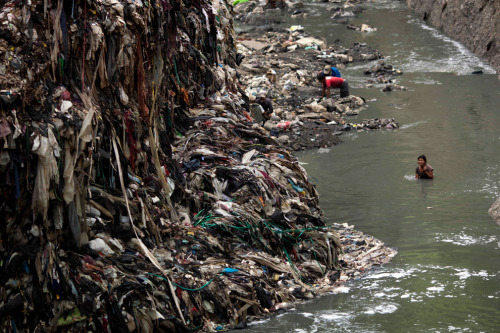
[446,276]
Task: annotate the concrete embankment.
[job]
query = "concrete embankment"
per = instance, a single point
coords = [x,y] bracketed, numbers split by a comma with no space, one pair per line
[475,23]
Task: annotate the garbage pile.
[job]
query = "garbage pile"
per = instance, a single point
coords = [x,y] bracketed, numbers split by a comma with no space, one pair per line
[137,193]
[360,252]
[372,124]
[363,28]
[494,211]
[384,75]
[283,65]
[383,69]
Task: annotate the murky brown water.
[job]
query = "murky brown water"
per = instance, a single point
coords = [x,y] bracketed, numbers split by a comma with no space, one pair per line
[446,276]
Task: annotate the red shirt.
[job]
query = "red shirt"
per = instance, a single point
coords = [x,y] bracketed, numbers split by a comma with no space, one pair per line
[333,82]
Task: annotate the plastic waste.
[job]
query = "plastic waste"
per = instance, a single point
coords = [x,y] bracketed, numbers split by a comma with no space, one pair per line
[4,128]
[100,245]
[296,28]
[284,125]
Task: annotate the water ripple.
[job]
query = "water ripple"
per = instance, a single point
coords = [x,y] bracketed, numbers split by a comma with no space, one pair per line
[462,239]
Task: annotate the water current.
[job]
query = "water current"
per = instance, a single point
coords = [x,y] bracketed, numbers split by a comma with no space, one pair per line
[446,276]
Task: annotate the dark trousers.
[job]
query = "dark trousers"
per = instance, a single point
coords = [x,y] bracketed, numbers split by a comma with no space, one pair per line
[344,89]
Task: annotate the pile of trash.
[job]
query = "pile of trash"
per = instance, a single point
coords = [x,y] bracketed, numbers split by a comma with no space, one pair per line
[137,193]
[283,64]
[383,69]
[360,252]
[363,28]
[372,124]
[384,75]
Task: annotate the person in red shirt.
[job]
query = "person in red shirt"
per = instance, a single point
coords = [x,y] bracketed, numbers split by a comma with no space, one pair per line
[333,82]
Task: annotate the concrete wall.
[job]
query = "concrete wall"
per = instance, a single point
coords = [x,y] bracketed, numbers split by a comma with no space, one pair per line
[475,23]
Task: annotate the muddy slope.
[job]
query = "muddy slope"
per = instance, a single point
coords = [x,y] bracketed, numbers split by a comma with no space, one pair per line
[475,23]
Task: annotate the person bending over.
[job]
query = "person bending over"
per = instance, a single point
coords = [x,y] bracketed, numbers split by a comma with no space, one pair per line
[329,82]
[267,106]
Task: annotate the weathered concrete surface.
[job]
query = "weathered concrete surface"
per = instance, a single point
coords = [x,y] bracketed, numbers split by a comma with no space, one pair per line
[475,23]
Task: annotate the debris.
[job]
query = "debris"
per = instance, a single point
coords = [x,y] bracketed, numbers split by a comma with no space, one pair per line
[363,28]
[137,191]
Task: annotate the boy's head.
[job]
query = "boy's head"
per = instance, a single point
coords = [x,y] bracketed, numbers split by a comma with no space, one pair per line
[321,77]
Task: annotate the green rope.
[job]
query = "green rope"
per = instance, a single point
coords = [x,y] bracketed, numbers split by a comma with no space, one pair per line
[55,193]
[184,288]
[255,231]
[204,221]
[201,211]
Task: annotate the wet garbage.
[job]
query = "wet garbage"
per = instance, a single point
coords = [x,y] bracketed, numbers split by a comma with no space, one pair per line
[292,85]
[383,69]
[361,252]
[394,87]
[138,193]
[363,28]
[384,76]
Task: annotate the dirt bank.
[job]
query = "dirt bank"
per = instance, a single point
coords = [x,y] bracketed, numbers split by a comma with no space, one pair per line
[475,23]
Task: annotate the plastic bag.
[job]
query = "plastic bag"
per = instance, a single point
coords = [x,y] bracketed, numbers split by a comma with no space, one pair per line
[284,125]
[4,128]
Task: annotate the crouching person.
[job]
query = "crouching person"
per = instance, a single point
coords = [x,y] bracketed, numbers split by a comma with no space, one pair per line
[329,82]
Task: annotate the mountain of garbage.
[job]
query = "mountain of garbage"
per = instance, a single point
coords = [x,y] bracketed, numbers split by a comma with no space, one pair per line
[137,193]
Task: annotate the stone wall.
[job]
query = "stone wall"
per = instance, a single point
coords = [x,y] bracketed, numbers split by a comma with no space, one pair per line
[475,23]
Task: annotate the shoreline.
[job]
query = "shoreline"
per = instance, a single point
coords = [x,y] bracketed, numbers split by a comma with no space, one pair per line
[283,64]
[364,254]
[360,253]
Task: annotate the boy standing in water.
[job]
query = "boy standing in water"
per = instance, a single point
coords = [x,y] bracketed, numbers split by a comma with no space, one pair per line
[424,170]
